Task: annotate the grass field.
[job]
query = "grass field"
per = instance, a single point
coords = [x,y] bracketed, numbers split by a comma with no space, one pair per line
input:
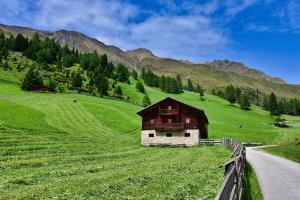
[52,147]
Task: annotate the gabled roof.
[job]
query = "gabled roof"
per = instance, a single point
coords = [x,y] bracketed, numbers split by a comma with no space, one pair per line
[147,109]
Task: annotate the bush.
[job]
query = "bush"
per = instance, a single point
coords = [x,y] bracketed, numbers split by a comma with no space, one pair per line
[32,80]
[280,122]
[6,66]
[52,84]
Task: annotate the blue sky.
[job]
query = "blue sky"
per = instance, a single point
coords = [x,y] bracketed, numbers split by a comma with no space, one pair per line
[263,34]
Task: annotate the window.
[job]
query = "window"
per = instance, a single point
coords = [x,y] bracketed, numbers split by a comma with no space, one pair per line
[187,135]
[169,107]
[187,120]
[169,121]
[151,135]
[169,134]
[152,121]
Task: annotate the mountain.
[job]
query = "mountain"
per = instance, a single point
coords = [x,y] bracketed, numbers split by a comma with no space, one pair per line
[215,74]
[140,53]
[243,70]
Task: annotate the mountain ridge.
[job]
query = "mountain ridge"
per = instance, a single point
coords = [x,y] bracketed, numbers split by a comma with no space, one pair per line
[212,74]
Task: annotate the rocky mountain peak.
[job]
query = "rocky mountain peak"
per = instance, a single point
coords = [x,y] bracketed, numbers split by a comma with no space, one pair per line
[140,53]
[243,70]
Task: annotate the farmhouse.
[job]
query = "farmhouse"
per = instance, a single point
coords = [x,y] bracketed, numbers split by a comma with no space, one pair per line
[171,122]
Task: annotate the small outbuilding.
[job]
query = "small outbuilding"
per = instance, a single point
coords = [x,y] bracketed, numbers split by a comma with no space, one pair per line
[171,122]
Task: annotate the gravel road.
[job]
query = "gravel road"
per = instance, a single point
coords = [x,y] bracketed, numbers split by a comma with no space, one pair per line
[279,178]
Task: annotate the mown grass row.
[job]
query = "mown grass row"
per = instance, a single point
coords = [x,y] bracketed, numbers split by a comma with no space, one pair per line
[52,147]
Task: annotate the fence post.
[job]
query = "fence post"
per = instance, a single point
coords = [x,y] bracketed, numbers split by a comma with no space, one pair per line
[232,187]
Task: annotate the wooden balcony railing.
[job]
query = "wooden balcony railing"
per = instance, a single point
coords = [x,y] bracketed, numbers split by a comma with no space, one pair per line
[168,111]
[169,126]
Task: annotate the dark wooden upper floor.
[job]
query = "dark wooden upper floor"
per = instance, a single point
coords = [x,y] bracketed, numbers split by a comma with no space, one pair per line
[170,114]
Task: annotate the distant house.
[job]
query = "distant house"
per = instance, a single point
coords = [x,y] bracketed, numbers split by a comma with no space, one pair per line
[171,122]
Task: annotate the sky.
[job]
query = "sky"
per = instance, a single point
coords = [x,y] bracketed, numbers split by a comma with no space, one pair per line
[263,34]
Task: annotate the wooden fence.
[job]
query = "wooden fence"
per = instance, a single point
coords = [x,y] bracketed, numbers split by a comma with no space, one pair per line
[232,188]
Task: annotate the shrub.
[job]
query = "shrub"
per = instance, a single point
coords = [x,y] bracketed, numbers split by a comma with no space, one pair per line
[32,80]
[52,84]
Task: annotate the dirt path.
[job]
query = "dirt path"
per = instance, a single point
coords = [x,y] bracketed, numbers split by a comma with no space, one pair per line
[279,178]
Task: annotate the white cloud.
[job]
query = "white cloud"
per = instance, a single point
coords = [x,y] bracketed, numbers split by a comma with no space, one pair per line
[258,28]
[293,14]
[113,22]
[185,30]
[178,35]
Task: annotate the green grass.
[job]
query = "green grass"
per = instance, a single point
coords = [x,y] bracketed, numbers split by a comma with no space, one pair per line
[52,147]
[289,151]
[252,189]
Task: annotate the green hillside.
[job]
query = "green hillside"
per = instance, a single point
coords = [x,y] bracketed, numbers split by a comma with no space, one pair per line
[204,74]
[53,147]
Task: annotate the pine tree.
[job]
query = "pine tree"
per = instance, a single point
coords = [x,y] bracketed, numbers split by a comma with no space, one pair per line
[20,43]
[282,104]
[119,91]
[77,81]
[230,94]
[101,84]
[32,80]
[265,103]
[179,83]
[122,73]
[213,92]
[162,83]
[139,87]
[244,102]
[190,86]
[134,74]
[143,73]
[34,47]
[273,105]
[200,90]
[146,101]
[238,93]
[103,62]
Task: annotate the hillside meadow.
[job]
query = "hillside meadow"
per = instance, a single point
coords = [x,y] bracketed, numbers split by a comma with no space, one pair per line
[53,147]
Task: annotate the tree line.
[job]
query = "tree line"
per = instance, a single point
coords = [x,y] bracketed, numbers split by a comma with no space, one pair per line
[276,106]
[169,84]
[282,106]
[47,52]
[234,95]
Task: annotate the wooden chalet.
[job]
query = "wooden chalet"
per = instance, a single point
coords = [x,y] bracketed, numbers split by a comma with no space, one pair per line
[171,122]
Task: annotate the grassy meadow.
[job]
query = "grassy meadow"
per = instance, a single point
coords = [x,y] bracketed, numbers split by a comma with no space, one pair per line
[52,147]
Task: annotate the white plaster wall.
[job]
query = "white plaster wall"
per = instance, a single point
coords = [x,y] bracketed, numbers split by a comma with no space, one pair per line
[177,138]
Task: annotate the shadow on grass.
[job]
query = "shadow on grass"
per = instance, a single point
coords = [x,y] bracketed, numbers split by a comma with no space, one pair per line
[252,189]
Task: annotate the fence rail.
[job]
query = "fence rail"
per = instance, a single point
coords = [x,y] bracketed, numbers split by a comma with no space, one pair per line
[232,188]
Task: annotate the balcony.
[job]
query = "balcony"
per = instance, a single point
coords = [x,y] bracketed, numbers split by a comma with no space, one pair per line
[168,112]
[169,126]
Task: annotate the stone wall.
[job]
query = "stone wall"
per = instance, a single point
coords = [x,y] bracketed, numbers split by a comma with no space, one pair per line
[177,138]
